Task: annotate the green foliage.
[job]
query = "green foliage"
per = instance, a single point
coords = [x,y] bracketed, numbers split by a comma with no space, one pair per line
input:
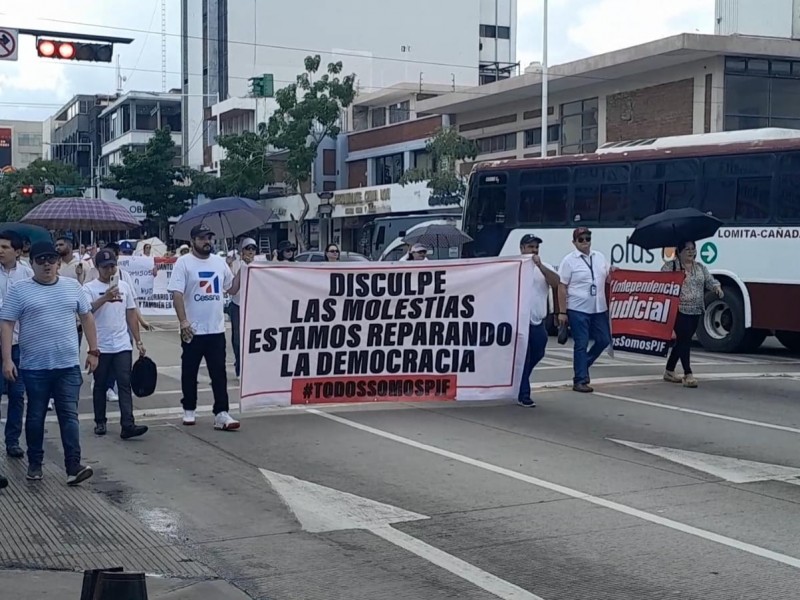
[447,148]
[308,112]
[245,169]
[39,173]
[150,176]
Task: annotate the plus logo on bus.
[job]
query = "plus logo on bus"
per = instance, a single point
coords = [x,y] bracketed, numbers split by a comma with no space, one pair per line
[633,255]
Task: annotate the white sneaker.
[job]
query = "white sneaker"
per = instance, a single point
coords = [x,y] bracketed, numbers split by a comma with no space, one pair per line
[189,418]
[111,396]
[225,422]
[51,405]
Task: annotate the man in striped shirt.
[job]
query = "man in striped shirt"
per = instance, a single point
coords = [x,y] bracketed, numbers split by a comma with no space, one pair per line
[45,307]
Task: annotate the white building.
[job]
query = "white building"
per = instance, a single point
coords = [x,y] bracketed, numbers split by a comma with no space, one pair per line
[129,122]
[225,43]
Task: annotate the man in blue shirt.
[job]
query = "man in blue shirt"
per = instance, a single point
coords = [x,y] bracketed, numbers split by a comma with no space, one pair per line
[45,307]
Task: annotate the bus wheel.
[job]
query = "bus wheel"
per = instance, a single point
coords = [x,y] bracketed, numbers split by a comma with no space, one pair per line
[721,327]
[789,339]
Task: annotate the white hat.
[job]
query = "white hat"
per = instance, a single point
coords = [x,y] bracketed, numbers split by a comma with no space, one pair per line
[418,248]
[247,242]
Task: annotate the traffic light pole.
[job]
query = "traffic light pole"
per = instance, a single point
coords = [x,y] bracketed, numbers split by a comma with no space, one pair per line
[76,36]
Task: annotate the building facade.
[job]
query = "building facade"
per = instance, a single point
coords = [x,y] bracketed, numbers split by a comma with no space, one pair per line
[129,122]
[73,134]
[226,43]
[684,84]
[20,143]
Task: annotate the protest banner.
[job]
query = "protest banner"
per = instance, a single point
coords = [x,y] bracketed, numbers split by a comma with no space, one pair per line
[413,331]
[153,297]
[643,307]
[140,268]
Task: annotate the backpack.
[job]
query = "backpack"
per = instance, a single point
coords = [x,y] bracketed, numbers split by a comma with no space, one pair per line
[144,377]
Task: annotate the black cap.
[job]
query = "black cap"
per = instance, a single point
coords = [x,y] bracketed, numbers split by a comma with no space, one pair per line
[529,238]
[286,245]
[42,249]
[105,257]
[201,230]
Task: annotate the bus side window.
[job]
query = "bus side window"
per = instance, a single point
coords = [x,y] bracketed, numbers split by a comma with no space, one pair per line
[380,240]
[787,189]
[733,180]
[646,199]
[599,186]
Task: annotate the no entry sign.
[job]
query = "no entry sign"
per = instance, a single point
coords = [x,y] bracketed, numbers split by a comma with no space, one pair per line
[8,44]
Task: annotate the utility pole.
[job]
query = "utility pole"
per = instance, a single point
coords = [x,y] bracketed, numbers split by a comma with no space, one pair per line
[163,45]
[545,101]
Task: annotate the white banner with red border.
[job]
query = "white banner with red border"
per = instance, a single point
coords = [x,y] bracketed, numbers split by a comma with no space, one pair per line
[384,332]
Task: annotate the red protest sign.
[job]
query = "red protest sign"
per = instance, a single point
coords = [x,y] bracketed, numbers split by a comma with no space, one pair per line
[643,307]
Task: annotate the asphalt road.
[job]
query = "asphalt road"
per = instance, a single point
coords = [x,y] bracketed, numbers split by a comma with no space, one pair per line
[484,500]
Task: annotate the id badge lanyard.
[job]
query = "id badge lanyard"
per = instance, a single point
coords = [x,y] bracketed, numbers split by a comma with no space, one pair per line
[590,263]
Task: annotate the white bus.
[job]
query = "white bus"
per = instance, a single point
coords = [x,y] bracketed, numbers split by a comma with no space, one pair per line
[748,179]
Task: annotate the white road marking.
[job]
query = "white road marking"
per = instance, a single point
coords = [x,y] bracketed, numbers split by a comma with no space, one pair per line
[735,470]
[321,509]
[572,493]
[701,413]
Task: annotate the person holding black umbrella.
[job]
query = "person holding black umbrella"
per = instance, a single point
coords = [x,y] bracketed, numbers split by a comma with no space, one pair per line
[690,309]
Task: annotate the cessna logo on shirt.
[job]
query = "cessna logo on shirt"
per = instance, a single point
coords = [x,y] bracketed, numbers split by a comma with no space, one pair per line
[209,287]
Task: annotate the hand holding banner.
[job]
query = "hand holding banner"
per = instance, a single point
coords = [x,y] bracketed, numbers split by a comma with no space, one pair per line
[643,306]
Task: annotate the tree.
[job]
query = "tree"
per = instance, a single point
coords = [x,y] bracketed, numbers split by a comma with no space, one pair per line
[245,170]
[149,176]
[14,206]
[308,112]
[447,148]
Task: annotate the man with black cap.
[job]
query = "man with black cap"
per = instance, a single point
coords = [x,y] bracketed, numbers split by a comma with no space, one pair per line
[115,315]
[198,283]
[544,279]
[582,291]
[45,307]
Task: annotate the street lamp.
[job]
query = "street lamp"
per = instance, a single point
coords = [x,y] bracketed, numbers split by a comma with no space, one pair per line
[324,212]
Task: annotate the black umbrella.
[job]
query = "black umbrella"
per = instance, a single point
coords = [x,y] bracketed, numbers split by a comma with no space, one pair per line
[226,217]
[437,236]
[669,228]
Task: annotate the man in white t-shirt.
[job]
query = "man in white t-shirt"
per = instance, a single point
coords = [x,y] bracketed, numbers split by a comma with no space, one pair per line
[544,279]
[198,284]
[583,275]
[115,315]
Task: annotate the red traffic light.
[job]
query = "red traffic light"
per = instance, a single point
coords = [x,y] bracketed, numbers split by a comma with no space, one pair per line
[27,190]
[75,50]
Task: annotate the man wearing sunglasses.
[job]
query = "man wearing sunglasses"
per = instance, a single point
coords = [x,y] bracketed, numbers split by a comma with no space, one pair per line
[45,307]
[582,289]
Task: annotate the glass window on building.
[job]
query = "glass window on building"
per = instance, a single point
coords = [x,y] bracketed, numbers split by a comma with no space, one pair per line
[388,169]
[378,116]
[761,93]
[400,112]
[423,160]
[579,126]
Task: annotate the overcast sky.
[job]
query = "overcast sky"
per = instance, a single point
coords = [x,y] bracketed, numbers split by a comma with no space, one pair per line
[34,88]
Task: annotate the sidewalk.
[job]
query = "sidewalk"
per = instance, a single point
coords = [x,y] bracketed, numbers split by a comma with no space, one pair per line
[60,585]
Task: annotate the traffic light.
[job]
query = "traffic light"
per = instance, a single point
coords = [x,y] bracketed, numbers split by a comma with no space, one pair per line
[75,50]
[27,191]
[262,87]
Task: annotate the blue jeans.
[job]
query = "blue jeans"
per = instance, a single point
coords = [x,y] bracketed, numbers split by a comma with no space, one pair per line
[537,342]
[16,404]
[585,327]
[63,386]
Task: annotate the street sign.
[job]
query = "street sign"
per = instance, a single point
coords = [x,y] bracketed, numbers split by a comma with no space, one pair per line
[49,189]
[8,44]
[708,252]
